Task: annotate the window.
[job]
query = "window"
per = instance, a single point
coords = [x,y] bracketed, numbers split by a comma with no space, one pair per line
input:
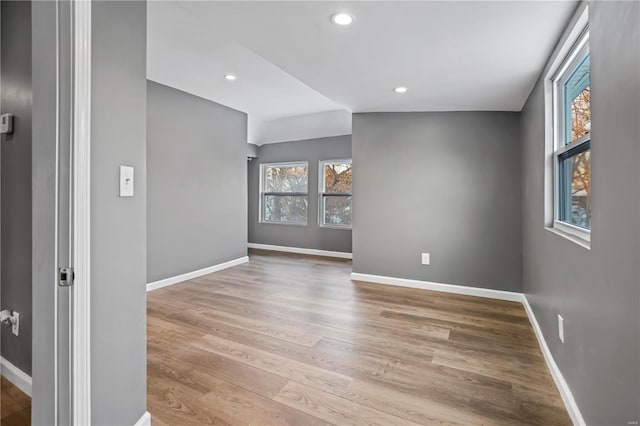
[283,193]
[572,142]
[335,193]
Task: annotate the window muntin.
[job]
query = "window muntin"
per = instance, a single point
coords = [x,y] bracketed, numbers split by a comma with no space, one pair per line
[335,193]
[284,193]
[572,153]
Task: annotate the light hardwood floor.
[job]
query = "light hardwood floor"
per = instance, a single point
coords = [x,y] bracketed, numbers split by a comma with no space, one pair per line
[290,340]
[15,405]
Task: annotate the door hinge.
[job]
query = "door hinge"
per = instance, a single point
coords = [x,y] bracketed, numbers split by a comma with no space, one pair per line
[65,277]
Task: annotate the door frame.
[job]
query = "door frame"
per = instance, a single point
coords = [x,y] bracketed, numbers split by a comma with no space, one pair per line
[81,213]
[77,115]
[61,77]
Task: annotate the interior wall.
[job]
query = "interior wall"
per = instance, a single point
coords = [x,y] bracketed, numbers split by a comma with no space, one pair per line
[118,225]
[596,291]
[311,236]
[44,45]
[16,189]
[444,183]
[252,150]
[197,174]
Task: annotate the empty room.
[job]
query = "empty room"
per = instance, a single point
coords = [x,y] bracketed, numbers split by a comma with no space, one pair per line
[320,213]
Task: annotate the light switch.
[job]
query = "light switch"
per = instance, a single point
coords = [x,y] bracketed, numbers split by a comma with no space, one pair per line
[126,181]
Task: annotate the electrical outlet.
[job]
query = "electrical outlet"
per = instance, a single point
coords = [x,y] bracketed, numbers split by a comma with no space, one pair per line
[561,328]
[15,327]
[426,259]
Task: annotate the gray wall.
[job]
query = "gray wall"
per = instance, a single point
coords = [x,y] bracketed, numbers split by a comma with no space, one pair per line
[197,173]
[311,236]
[444,183]
[252,150]
[44,190]
[16,180]
[118,225]
[596,291]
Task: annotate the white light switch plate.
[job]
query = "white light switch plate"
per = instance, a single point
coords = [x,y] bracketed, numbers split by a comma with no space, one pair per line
[126,181]
[426,259]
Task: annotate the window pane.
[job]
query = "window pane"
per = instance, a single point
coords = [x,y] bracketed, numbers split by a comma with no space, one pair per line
[576,190]
[286,178]
[578,103]
[581,114]
[337,210]
[285,208]
[337,178]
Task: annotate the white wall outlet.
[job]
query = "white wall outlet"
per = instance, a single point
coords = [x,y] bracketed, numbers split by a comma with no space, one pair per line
[561,328]
[15,327]
[126,181]
[426,259]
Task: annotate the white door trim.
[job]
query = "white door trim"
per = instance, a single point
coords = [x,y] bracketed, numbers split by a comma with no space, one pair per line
[81,196]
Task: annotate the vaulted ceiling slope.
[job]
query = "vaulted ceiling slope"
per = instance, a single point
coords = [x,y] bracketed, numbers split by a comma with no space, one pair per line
[294,66]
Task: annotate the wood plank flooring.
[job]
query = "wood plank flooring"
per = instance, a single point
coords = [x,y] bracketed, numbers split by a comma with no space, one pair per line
[15,405]
[291,340]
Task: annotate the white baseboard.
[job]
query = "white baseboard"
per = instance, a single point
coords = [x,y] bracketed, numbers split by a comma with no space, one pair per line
[195,274]
[447,288]
[23,381]
[144,420]
[563,387]
[313,252]
[16,376]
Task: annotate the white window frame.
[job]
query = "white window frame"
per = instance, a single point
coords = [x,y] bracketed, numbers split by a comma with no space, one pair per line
[262,194]
[568,55]
[322,193]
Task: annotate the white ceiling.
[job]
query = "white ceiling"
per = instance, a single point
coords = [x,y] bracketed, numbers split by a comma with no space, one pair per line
[293,65]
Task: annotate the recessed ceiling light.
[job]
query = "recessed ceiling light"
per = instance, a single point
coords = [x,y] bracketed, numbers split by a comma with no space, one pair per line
[342,18]
[400,89]
[230,77]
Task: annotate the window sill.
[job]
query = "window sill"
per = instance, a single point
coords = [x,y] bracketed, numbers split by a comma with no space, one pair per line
[573,238]
[262,222]
[344,228]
